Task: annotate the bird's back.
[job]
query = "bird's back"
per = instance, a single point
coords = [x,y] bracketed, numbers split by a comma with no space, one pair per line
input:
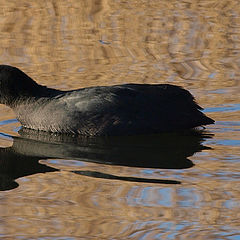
[128,109]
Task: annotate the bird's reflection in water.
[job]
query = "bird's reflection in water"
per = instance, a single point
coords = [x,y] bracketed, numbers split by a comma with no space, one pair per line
[163,151]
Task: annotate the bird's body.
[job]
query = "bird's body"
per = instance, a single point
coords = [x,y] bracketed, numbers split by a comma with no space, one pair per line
[97,111]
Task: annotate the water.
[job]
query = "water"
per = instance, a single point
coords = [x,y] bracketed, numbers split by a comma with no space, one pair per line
[179,186]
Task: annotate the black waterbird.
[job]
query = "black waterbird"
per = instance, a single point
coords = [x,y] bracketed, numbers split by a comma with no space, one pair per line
[126,109]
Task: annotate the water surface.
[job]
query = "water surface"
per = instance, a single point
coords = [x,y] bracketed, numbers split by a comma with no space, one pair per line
[170,186]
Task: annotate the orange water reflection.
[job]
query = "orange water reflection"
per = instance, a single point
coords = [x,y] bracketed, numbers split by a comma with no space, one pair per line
[73,44]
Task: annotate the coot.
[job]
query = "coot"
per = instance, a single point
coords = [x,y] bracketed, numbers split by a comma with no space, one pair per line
[126,109]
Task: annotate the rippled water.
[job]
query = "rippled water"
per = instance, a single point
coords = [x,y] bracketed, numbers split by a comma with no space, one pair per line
[170,186]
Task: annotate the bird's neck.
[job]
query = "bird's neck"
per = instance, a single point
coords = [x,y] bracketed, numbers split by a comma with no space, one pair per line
[33,95]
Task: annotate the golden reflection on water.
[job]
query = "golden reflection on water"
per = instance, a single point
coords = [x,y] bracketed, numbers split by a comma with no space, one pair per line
[73,44]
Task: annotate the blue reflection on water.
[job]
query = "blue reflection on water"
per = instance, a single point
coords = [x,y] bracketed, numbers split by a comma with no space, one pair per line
[219,91]
[69,163]
[229,142]
[189,197]
[166,200]
[5,122]
[224,108]
[229,123]
[5,136]
[150,196]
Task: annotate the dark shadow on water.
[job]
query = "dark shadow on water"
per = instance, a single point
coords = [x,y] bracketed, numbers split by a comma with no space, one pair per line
[15,165]
[163,151]
[128,179]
